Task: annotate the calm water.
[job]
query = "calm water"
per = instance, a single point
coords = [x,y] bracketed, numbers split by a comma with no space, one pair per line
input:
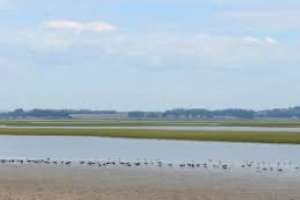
[95,148]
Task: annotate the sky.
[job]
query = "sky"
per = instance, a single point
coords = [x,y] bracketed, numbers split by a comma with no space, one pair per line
[149,54]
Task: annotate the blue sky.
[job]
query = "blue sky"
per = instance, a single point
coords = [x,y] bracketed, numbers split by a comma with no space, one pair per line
[149,55]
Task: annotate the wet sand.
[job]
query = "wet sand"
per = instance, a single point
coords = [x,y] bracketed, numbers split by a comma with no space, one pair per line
[79,183]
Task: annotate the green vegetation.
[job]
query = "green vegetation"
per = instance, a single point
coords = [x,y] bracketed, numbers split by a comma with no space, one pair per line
[243,136]
[55,127]
[134,123]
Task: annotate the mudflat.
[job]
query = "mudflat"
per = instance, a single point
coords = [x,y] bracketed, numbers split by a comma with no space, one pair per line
[118,183]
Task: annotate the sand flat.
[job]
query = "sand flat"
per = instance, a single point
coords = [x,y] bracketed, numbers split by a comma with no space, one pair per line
[79,183]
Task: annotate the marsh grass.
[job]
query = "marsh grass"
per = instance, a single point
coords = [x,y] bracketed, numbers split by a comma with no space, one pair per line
[225,136]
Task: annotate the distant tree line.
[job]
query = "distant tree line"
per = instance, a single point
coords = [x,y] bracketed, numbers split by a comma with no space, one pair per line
[48,113]
[285,113]
[293,112]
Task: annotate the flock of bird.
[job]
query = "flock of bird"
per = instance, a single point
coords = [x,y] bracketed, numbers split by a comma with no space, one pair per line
[210,164]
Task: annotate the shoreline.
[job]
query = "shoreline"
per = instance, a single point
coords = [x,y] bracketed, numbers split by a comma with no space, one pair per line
[48,182]
[247,168]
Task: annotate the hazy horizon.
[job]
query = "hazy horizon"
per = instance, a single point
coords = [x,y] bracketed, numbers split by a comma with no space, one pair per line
[149,55]
[144,110]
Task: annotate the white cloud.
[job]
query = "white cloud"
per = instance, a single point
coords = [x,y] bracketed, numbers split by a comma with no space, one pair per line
[256,40]
[271,20]
[192,50]
[269,14]
[80,26]
[159,49]
[270,40]
[251,40]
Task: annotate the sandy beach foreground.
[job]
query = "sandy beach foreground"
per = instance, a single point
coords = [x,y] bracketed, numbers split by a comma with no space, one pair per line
[77,183]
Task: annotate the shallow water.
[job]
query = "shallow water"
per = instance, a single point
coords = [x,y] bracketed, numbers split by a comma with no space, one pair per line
[96,148]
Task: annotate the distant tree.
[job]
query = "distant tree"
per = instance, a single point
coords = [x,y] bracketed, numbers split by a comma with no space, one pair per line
[136,114]
[19,113]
